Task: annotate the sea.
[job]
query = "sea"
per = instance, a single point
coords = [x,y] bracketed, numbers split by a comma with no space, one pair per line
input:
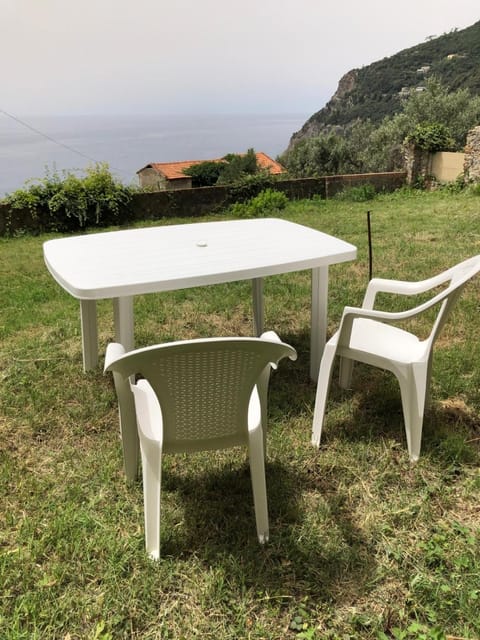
[32,147]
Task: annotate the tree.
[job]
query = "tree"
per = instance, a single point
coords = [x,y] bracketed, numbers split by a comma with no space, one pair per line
[204,174]
[231,168]
[459,111]
[235,167]
[438,118]
[323,155]
[431,137]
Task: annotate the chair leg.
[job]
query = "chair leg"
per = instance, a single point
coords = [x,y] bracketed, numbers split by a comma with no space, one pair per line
[152,480]
[428,381]
[345,373]
[323,386]
[128,420]
[413,391]
[259,486]
[130,442]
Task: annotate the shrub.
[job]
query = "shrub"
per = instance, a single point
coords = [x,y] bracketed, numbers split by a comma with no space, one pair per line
[431,137]
[264,204]
[233,168]
[457,186]
[204,174]
[474,189]
[69,202]
[268,201]
[251,186]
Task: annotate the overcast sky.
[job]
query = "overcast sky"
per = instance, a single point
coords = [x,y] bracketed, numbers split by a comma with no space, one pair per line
[201,56]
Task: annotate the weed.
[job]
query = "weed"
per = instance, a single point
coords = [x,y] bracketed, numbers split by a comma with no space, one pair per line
[361,193]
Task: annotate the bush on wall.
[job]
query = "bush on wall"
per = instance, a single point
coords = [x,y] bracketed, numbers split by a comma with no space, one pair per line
[431,137]
[232,168]
[67,202]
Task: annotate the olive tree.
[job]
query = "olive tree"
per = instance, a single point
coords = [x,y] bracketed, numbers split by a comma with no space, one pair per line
[438,118]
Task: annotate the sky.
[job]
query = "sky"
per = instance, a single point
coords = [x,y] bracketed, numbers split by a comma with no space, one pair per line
[201,56]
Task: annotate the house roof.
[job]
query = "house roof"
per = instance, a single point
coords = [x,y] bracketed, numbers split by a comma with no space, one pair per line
[265,162]
[171,170]
[174,170]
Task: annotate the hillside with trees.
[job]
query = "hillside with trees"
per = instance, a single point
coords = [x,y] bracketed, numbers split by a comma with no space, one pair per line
[380,89]
[428,94]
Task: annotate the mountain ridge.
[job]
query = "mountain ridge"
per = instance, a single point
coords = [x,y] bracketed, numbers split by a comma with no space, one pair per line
[379,89]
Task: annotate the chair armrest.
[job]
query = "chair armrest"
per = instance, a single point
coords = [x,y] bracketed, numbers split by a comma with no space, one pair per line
[391,316]
[270,335]
[126,406]
[401,287]
[114,351]
[351,313]
[148,411]
[376,314]
[273,337]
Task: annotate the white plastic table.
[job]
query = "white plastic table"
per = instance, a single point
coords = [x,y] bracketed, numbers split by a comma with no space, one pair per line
[122,264]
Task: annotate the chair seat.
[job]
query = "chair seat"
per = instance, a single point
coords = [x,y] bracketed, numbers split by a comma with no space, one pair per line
[385,341]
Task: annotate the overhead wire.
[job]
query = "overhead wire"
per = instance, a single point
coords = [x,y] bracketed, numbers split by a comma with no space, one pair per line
[57,142]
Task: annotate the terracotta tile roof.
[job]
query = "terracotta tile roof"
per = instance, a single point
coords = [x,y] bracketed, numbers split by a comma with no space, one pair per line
[171,170]
[265,162]
[174,170]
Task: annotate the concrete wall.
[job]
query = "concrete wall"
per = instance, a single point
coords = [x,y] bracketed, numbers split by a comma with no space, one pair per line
[446,166]
[431,168]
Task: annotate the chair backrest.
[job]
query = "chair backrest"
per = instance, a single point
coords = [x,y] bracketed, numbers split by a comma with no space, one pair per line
[457,277]
[203,386]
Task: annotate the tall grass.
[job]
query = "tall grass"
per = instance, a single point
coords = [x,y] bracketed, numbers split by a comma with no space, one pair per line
[362,542]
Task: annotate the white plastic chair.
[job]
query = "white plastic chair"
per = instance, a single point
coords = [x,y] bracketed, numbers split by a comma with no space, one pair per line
[194,395]
[366,335]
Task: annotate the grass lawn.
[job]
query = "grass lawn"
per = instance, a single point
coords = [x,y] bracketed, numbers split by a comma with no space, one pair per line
[362,543]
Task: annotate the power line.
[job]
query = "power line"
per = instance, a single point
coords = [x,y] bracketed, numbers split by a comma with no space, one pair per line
[57,142]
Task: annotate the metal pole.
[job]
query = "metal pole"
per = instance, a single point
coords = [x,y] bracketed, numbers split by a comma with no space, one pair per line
[369,246]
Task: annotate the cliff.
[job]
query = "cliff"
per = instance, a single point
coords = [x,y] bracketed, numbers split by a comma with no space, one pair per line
[379,89]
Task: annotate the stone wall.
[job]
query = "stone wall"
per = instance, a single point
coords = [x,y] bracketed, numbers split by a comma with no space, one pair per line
[205,200]
[471,165]
[417,164]
[387,182]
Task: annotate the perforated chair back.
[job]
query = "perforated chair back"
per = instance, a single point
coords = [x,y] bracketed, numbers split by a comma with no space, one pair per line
[203,387]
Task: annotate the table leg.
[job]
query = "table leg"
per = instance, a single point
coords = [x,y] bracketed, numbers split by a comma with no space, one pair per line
[88,319]
[258,307]
[123,321]
[318,331]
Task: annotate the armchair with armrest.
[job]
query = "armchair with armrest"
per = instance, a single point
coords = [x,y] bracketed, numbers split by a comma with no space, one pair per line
[194,395]
[370,336]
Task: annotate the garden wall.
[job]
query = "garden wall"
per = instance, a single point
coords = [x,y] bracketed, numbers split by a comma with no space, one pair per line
[198,202]
[472,155]
[447,166]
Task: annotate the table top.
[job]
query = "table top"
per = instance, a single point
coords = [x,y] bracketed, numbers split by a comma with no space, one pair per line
[131,262]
